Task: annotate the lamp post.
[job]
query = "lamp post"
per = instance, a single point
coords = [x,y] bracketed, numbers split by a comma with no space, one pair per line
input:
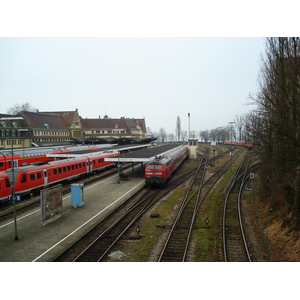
[11,119]
[23,130]
[119,131]
[189,115]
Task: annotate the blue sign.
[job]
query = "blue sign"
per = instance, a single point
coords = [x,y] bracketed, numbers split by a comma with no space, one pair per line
[10,198]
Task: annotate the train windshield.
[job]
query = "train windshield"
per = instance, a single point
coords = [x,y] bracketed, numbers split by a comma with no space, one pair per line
[156,167]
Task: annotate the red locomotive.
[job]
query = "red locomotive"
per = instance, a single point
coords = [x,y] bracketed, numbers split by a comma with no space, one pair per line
[28,156]
[159,170]
[5,187]
[32,178]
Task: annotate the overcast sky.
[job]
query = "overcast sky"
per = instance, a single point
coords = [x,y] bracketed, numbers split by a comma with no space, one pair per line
[153,78]
[137,59]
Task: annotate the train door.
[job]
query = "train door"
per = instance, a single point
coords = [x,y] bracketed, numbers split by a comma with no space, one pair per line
[15,164]
[91,165]
[87,166]
[45,177]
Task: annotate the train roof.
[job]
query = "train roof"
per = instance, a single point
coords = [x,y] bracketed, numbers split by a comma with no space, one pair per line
[144,155]
[160,160]
[20,151]
[122,149]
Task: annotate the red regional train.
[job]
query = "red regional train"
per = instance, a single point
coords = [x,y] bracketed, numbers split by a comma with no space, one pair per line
[32,178]
[239,143]
[5,187]
[28,156]
[159,170]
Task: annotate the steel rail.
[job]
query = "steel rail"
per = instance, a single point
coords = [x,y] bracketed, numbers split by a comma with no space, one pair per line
[186,201]
[148,202]
[239,175]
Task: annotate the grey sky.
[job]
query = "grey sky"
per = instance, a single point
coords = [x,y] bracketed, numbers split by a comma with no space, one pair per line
[155,78]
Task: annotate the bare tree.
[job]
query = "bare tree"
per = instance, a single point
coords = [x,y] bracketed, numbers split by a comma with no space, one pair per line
[171,137]
[193,134]
[178,128]
[239,123]
[204,135]
[278,101]
[184,135]
[149,131]
[21,107]
[162,134]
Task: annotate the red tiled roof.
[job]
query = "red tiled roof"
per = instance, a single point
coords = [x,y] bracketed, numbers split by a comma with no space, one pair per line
[68,116]
[42,120]
[113,123]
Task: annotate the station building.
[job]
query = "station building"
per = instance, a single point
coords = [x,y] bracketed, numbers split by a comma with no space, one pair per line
[64,127]
[106,127]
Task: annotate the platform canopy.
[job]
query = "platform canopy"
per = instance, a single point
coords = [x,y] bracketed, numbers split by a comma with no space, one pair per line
[86,153]
[143,155]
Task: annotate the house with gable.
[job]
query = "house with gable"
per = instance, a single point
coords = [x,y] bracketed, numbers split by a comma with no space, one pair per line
[46,129]
[114,128]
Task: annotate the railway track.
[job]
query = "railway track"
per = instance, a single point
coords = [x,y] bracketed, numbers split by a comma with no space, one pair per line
[99,248]
[176,245]
[235,246]
[105,241]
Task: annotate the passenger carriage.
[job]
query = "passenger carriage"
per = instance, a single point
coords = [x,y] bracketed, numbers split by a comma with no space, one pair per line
[5,187]
[32,178]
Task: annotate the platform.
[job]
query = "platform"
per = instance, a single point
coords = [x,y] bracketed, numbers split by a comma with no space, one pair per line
[44,243]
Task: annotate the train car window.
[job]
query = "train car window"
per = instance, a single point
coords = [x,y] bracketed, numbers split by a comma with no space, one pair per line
[76,166]
[69,168]
[150,167]
[65,169]
[32,177]
[59,170]
[54,171]
[38,175]
[7,183]
[1,164]
[24,179]
[158,167]
[72,167]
